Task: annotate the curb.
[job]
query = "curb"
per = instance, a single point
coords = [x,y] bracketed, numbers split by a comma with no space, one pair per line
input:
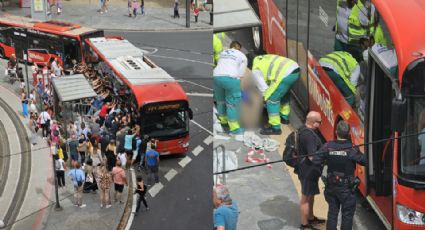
[133,206]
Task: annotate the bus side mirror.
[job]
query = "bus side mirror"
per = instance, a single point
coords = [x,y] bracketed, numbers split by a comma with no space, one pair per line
[190,114]
[398,114]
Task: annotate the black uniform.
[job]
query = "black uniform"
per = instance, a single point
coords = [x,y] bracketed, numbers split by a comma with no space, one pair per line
[341,161]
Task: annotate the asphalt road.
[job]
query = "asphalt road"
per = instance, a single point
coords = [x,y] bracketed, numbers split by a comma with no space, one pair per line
[184,201]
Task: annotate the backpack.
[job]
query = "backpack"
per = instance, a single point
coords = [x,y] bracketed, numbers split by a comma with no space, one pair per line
[290,153]
[57,165]
[56,132]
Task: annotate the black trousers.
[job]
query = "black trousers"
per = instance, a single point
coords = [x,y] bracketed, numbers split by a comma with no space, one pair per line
[340,197]
[60,175]
[45,129]
[140,199]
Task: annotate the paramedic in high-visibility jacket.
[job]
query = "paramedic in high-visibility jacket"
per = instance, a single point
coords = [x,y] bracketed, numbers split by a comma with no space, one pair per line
[344,71]
[231,66]
[217,46]
[274,76]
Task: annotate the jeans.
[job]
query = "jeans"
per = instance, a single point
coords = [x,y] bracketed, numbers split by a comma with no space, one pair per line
[141,198]
[153,174]
[60,175]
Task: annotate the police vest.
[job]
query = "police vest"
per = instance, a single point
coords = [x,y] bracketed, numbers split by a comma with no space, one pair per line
[344,64]
[338,159]
[272,67]
[355,28]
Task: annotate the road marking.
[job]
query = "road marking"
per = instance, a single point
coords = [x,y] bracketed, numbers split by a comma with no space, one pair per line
[202,127]
[194,83]
[170,174]
[154,50]
[183,59]
[323,16]
[155,189]
[185,161]
[208,140]
[200,94]
[197,150]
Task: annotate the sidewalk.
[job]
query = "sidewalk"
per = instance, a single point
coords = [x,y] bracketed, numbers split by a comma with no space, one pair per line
[155,19]
[38,210]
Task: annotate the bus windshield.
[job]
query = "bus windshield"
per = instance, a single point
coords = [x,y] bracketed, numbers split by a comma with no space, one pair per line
[412,162]
[166,124]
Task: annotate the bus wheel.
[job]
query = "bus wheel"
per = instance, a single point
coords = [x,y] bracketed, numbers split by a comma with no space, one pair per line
[257,38]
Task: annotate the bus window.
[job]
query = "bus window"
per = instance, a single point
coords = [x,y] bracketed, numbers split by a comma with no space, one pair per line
[412,157]
[165,124]
[72,52]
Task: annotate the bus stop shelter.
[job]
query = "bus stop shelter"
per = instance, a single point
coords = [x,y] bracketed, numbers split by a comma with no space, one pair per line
[71,95]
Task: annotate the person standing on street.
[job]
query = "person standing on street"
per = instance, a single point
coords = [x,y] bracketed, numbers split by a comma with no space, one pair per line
[44,121]
[141,190]
[225,209]
[230,68]
[308,174]
[152,161]
[275,75]
[176,9]
[60,168]
[341,157]
[24,101]
[34,128]
[142,7]
[78,178]
[104,178]
[118,175]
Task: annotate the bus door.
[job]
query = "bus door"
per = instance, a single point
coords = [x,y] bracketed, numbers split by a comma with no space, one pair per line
[72,51]
[20,42]
[6,44]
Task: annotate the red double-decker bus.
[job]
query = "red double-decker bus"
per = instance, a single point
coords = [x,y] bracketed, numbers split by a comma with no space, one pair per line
[44,40]
[159,98]
[390,101]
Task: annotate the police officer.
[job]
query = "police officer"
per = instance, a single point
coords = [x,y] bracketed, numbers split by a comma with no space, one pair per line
[341,159]
[274,76]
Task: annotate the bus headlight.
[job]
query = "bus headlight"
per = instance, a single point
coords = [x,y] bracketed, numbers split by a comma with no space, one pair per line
[185,145]
[410,216]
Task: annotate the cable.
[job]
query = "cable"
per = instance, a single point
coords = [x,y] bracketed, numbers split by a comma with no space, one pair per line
[319,152]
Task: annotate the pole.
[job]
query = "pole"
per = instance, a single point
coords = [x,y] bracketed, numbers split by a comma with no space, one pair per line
[187,13]
[212,14]
[58,206]
[26,72]
[308,47]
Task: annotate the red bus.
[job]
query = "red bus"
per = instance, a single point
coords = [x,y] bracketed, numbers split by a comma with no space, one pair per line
[392,103]
[159,98]
[44,40]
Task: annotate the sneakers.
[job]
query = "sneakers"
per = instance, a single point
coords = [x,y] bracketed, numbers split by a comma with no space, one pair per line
[147,209]
[316,221]
[83,206]
[307,227]
[108,206]
[284,121]
[270,131]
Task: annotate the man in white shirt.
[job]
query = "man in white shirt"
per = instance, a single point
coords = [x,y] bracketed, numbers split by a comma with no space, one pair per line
[230,68]
[44,120]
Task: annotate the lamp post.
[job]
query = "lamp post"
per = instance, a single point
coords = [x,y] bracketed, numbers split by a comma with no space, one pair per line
[187,13]
[57,206]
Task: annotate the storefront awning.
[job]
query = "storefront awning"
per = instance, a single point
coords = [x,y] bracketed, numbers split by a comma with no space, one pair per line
[234,14]
[73,87]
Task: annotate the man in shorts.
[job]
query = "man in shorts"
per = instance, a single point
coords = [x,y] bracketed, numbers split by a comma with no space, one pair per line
[309,174]
[118,175]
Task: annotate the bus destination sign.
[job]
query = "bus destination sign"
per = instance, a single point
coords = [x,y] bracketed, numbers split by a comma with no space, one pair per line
[158,108]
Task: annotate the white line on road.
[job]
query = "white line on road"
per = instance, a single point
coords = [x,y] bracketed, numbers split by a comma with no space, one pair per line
[208,140]
[183,59]
[197,150]
[185,161]
[202,127]
[194,83]
[170,174]
[200,94]
[155,189]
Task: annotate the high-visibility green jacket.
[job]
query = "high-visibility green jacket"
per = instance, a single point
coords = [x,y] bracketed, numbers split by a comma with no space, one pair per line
[217,46]
[344,64]
[273,68]
[355,28]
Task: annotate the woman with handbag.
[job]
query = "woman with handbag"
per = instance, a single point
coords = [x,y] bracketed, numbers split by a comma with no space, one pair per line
[90,183]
